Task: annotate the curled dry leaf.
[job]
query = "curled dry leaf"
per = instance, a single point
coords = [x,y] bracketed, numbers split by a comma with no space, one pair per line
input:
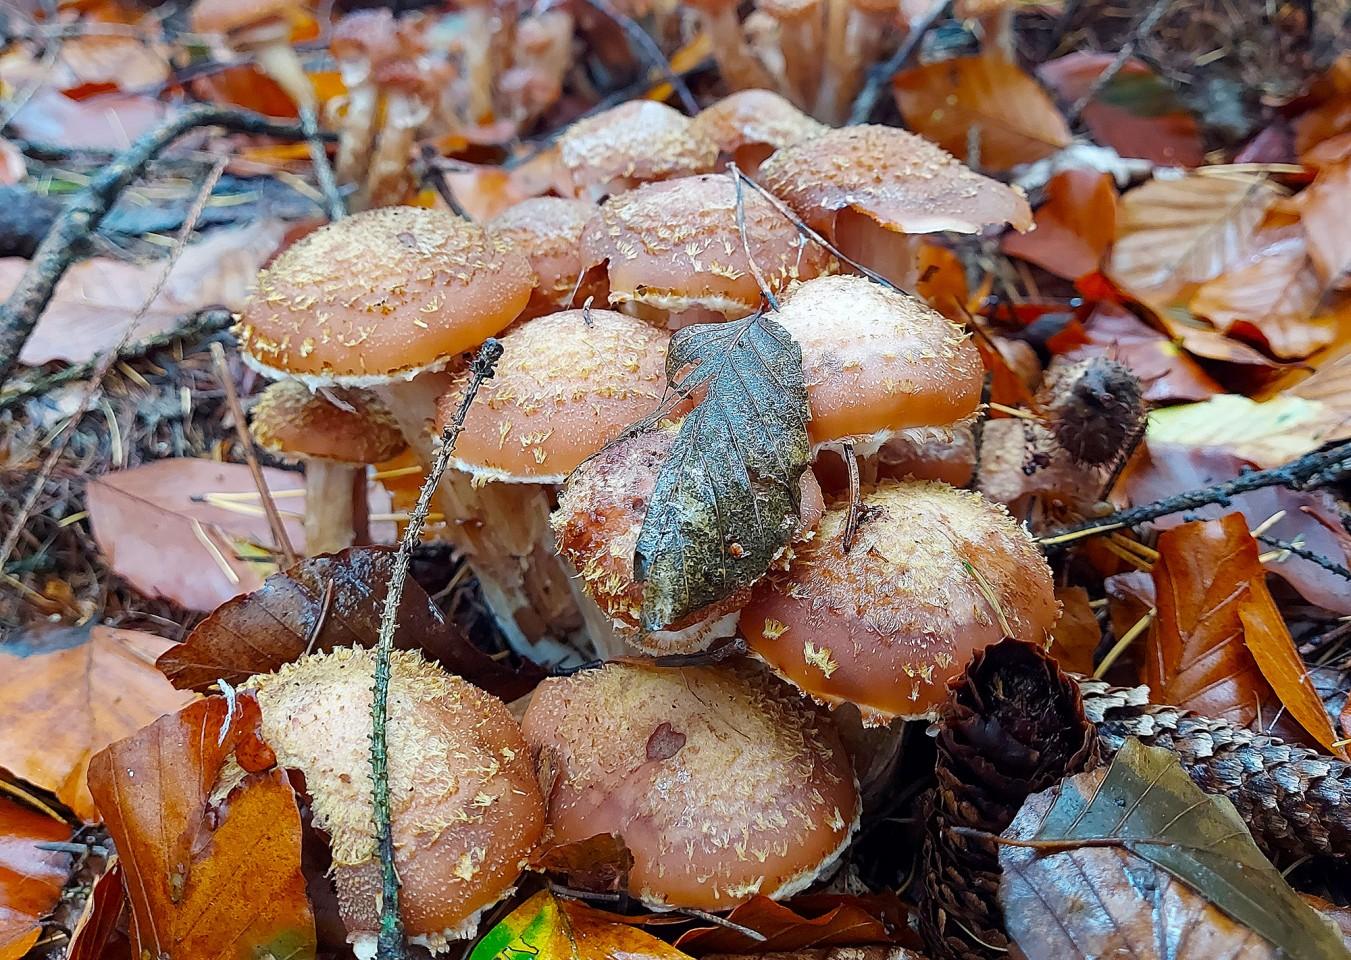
[601,863]
[989,98]
[546,926]
[208,876]
[815,920]
[30,879]
[288,615]
[1269,432]
[1077,632]
[65,694]
[1075,225]
[1165,371]
[1146,865]
[99,921]
[166,543]
[1323,211]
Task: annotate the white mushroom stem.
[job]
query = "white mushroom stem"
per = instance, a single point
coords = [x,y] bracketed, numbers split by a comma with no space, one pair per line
[600,628]
[836,65]
[386,179]
[892,255]
[478,62]
[279,61]
[330,506]
[736,61]
[356,134]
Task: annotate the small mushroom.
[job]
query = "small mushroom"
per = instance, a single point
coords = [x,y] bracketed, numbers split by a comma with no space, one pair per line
[335,443]
[737,64]
[933,574]
[548,232]
[750,125]
[542,55]
[465,807]
[408,103]
[800,42]
[633,143]
[261,28]
[720,780]
[361,41]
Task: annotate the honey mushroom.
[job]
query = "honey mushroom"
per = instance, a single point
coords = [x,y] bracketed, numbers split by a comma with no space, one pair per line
[673,253]
[335,443]
[465,807]
[547,231]
[750,125]
[869,189]
[631,144]
[362,40]
[933,574]
[566,385]
[261,28]
[720,780]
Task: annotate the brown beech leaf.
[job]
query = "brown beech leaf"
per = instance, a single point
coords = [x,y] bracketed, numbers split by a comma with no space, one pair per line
[164,543]
[1323,211]
[275,624]
[1162,871]
[105,122]
[67,693]
[1166,372]
[1075,225]
[1077,632]
[600,863]
[1015,120]
[1330,386]
[1219,646]
[831,953]
[551,928]
[208,877]
[1174,234]
[815,920]
[1202,340]
[98,922]
[942,281]
[30,879]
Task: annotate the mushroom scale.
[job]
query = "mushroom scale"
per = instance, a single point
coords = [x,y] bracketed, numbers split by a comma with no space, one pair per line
[548,232]
[633,143]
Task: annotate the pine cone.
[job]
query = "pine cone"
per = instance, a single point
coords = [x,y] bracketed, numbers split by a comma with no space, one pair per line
[1013,725]
[1296,801]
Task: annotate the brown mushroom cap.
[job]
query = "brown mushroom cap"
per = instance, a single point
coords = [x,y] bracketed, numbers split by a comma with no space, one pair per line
[877,361]
[888,623]
[465,805]
[755,118]
[548,232]
[600,514]
[900,180]
[369,35]
[634,142]
[722,782]
[381,295]
[676,246]
[567,384]
[226,16]
[291,419]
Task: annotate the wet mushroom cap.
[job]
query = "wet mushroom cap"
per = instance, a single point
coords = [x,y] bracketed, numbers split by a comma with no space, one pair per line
[599,517]
[722,782]
[900,180]
[292,420]
[227,16]
[676,245]
[638,141]
[878,361]
[753,118]
[466,809]
[547,231]
[381,295]
[888,623]
[566,385]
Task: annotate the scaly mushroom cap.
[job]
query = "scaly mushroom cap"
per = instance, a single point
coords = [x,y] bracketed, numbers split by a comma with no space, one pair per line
[547,231]
[755,118]
[877,361]
[466,808]
[902,181]
[381,295]
[676,246]
[634,142]
[600,514]
[292,420]
[567,384]
[887,624]
[227,16]
[722,782]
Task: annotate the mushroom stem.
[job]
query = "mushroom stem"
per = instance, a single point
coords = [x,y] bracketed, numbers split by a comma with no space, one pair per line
[329,506]
[737,64]
[356,136]
[279,61]
[997,36]
[835,64]
[600,627]
[387,178]
[886,252]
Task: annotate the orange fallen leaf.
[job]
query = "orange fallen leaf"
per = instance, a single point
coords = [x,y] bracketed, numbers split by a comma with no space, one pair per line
[815,920]
[1077,632]
[98,921]
[942,281]
[68,693]
[1323,210]
[1331,116]
[129,63]
[1075,225]
[988,97]
[12,165]
[206,876]
[30,879]
[1165,371]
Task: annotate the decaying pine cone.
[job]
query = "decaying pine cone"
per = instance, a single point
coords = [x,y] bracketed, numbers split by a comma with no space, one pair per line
[1093,408]
[1296,801]
[1013,724]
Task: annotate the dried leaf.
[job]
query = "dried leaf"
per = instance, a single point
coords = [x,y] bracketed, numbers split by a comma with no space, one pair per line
[106,122]
[30,879]
[816,920]
[837,953]
[1077,632]
[165,544]
[1330,386]
[1323,211]
[207,877]
[100,918]
[128,63]
[1269,433]
[1136,113]
[726,499]
[1171,234]
[1075,225]
[942,281]
[1099,899]
[1165,371]
[13,168]
[68,693]
[1015,120]
[547,927]
[275,624]
[600,863]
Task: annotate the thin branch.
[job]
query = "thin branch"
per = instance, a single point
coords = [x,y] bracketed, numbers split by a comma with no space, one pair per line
[1327,563]
[646,49]
[879,77]
[323,170]
[390,945]
[765,292]
[435,174]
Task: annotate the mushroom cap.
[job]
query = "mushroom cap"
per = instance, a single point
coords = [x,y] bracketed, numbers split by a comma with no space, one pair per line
[370,35]
[599,517]
[291,419]
[381,295]
[676,245]
[887,624]
[636,141]
[752,117]
[547,231]
[722,782]
[877,361]
[567,384]
[227,16]
[788,10]
[465,806]
[902,181]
